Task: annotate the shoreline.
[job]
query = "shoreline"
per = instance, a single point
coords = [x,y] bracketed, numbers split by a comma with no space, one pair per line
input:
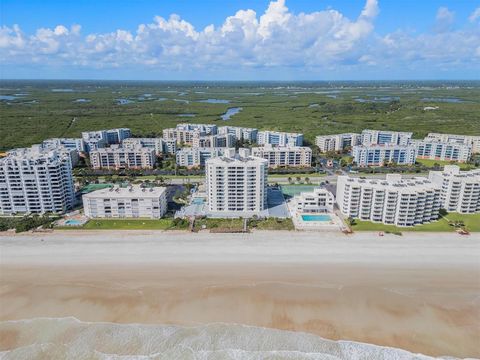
[417,292]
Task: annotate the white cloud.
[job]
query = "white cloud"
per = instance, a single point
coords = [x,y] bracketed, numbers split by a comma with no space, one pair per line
[444,19]
[277,38]
[475,15]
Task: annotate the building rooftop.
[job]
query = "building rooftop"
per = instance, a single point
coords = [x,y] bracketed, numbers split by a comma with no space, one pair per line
[134,191]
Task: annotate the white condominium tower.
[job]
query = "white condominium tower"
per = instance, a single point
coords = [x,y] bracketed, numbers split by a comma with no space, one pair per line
[196,157]
[442,151]
[240,133]
[284,156]
[460,189]
[184,133]
[131,202]
[98,139]
[213,141]
[236,185]
[156,144]
[117,157]
[393,201]
[337,142]
[474,141]
[36,180]
[279,138]
[382,137]
[380,155]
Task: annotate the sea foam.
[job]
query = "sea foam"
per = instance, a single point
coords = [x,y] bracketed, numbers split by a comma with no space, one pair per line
[69,338]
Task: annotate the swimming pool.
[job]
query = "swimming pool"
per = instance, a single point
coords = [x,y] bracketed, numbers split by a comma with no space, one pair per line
[321,217]
[73,222]
[198,201]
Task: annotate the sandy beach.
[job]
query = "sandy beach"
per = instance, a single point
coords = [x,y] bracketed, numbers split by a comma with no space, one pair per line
[419,291]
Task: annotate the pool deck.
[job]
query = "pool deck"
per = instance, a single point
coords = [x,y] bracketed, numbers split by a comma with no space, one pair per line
[334,224]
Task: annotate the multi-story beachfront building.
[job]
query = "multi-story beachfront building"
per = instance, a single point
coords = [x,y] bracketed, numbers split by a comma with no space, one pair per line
[196,157]
[383,137]
[393,201]
[317,201]
[95,140]
[474,141]
[279,138]
[236,185]
[284,156]
[128,202]
[460,190]
[185,133]
[117,157]
[157,144]
[240,133]
[36,180]
[223,140]
[380,155]
[442,151]
[337,142]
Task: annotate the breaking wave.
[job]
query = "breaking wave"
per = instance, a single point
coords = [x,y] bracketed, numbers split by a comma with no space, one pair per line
[69,338]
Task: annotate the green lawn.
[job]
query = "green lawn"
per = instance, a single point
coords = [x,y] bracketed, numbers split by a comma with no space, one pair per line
[472,223]
[227,224]
[137,224]
[431,163]
[294,176]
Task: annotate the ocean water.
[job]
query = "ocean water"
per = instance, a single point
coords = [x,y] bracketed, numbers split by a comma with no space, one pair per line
[69,338]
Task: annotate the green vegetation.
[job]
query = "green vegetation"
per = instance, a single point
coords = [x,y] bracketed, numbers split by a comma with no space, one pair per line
[271,224]
[41,113]
[221,225]
[26,223]
[215,225]
[471,223]
[440,164]
[134,224]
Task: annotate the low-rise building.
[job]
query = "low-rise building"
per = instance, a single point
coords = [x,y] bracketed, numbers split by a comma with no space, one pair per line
[384,137]
[236,185]
[129,202]
[460,190]
[36,180]
[443,151]
[393,201]
[284,156]
[337,142]
[117,157]
[474,141]
[279,138]
[380,155]
[241,133]
[195,157]
[319,200]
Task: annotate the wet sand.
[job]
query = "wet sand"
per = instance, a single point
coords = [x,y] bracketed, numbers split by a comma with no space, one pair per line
[419,292]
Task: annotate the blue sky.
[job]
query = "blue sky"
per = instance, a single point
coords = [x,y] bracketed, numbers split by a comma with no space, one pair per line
[284,40]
